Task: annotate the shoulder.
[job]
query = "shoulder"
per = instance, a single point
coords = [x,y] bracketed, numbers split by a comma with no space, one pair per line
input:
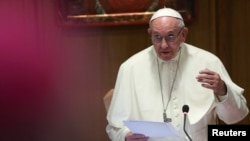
[142,57]
[198,53]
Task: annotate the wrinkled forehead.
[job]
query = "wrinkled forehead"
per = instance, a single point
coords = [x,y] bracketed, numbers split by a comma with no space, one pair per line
[165,24]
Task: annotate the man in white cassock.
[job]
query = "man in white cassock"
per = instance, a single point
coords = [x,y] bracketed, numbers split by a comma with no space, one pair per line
[155,83]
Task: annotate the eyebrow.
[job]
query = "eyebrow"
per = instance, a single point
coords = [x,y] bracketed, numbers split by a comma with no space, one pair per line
[169,32]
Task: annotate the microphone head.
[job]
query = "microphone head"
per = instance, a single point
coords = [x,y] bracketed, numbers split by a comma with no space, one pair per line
[185,109]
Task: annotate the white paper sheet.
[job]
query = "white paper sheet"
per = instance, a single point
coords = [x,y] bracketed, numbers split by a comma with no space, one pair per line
[152,129]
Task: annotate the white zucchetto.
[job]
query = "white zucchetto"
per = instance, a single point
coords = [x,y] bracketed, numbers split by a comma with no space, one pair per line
[168,12]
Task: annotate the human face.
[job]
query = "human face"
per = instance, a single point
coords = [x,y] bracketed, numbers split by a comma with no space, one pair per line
[166,37]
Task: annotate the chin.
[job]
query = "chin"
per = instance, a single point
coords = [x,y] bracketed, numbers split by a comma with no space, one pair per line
[166,57]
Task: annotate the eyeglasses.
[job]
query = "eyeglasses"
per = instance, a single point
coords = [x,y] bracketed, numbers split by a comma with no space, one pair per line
[169,38]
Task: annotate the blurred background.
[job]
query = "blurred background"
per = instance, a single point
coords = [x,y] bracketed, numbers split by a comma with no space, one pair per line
[53,78]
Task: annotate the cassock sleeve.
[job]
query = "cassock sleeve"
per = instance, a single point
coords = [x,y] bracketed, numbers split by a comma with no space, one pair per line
[234,108]
[118,110]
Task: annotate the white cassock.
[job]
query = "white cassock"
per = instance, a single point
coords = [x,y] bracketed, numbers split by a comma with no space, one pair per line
[137,93]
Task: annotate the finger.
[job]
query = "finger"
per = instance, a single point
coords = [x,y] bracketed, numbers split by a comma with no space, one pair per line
[208,81]
[137,136]
[202,77]
[209,86]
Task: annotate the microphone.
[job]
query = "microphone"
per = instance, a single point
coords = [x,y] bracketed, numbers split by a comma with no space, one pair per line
[185,110]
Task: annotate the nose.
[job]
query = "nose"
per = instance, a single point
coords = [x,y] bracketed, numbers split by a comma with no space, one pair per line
[164,43]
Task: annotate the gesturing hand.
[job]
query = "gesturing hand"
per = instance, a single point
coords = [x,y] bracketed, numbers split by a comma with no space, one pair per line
[212,80]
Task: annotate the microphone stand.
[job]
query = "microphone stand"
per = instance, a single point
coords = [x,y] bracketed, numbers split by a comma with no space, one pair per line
[184,125]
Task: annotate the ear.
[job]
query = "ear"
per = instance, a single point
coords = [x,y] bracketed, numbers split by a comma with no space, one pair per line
[149,31]
[184,33]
